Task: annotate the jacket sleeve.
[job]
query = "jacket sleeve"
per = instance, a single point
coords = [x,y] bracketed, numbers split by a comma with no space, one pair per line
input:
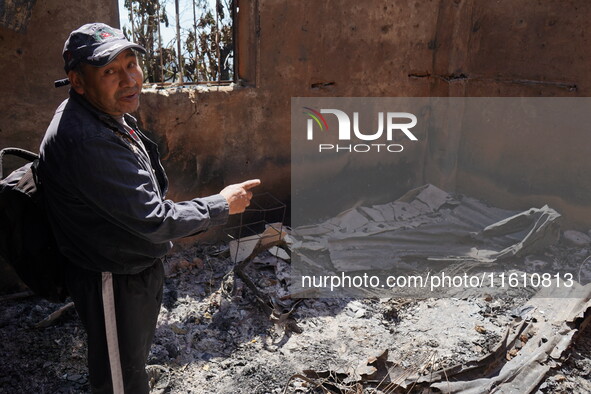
[111,180]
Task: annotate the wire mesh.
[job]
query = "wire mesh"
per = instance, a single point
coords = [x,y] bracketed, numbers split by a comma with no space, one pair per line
[262,222]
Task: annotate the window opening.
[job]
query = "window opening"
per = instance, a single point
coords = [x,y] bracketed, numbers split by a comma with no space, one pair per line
[187,41]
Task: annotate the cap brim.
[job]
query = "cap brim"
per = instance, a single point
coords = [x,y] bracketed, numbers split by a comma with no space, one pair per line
[107,52]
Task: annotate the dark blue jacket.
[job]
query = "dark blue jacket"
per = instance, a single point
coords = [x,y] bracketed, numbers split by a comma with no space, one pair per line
[105,197]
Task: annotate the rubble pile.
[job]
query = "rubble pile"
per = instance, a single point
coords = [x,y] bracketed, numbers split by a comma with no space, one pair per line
[229,324]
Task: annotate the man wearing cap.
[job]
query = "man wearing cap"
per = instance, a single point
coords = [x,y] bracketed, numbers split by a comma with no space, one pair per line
[105,193]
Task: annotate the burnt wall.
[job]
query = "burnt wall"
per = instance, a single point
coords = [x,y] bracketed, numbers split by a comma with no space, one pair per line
[288,49]
[211,137]
[32,36]
[536,49]
[390,48]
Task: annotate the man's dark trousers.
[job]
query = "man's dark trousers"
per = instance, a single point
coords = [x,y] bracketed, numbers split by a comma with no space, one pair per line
[119,313]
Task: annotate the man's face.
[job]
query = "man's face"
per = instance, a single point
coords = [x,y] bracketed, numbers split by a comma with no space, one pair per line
[115,88]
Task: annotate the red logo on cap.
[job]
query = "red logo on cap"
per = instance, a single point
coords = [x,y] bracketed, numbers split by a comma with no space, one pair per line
[105,34]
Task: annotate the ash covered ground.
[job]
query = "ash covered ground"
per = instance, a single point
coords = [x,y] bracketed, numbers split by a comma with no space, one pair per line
[213,336]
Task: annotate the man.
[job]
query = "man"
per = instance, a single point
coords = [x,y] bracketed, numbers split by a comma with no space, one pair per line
[105,188]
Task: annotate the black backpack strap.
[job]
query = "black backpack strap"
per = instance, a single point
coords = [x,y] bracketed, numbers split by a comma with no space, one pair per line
[23,154]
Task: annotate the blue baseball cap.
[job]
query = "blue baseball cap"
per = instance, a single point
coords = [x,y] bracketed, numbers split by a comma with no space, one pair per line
[96,44]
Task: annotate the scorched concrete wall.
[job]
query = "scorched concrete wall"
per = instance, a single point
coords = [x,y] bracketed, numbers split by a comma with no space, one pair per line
[390,48]
[341,48]
[32,36]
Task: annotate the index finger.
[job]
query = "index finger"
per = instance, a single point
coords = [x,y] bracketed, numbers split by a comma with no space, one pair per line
[250,183]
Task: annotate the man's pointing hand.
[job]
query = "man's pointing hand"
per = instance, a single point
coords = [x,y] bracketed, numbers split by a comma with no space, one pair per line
[239,195]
